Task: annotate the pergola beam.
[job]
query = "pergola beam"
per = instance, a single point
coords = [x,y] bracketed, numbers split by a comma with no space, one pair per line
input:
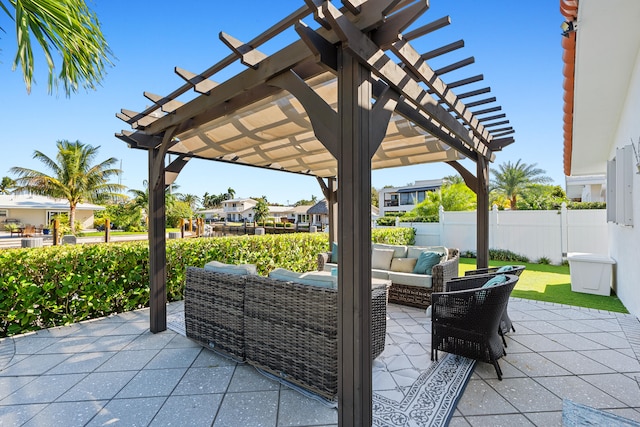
[455,66]
[381,65]
[442,50]
[428,28]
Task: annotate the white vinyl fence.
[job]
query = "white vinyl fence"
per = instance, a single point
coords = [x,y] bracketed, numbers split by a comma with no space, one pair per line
[534,234]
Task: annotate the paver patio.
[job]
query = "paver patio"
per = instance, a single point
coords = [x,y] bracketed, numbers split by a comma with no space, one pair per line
[113,371]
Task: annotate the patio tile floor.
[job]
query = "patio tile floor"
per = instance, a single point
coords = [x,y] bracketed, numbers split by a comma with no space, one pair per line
[112,371]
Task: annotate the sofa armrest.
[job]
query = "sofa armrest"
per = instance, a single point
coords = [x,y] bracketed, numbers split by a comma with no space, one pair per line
[323,258]
[445,271]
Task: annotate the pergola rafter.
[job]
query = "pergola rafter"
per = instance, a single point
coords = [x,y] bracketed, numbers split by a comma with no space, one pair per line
[333,105]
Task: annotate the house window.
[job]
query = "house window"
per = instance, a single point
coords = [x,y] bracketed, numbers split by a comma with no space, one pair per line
[52,214]
[620,187]
[421,196]
[3,214]
[407,198]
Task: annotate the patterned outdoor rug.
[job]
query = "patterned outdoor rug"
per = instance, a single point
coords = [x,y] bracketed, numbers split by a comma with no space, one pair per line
[432,398]
[409,390]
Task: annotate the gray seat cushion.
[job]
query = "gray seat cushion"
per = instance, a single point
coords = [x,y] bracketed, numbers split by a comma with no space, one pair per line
[410,279]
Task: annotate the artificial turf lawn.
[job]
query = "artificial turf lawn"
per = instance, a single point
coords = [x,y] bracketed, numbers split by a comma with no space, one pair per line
[551,283]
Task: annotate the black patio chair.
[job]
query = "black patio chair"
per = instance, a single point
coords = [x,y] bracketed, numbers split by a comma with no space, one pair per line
[484,274]
[467,322]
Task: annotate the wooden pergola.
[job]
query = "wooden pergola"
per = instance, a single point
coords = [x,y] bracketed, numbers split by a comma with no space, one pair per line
[349,96]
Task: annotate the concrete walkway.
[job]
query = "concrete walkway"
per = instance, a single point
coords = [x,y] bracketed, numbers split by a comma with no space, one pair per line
[112,371]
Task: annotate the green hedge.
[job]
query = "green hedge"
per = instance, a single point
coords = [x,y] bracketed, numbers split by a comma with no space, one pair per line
[58,285]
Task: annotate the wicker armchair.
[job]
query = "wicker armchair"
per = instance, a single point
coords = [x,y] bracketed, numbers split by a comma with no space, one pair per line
[459,284]
[467,322]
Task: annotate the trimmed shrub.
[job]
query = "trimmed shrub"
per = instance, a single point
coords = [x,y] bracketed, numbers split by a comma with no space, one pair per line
[394,236]
[58,285]
[497,255]
[386,221]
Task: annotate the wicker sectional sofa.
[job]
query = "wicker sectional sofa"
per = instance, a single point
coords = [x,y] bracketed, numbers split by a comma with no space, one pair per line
[285,328]
[408,288]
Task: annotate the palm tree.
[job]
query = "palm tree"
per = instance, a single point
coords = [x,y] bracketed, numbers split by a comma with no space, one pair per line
[74,178]
[6,185]
[512,179]
[230,194]
[261,209]
[192,199]
[67,27]
[141,197]
[453,179]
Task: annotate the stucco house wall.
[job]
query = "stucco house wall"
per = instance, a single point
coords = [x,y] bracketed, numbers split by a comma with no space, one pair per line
[624,241]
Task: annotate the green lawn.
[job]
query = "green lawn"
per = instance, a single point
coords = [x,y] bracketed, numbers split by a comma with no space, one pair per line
[551,283]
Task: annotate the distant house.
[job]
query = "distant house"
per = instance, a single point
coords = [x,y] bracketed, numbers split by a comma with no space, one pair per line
[281,213]
[239,210]
[39,210]
[319,214]
[403,199]
[301,215]
[214,214]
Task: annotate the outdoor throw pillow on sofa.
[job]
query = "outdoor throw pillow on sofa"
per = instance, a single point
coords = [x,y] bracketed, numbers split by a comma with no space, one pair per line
[381,258]
[334,253]
[220,267]
[403,265]
[426,261]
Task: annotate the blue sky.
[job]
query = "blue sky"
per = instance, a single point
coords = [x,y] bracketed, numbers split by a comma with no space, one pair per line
[516,46]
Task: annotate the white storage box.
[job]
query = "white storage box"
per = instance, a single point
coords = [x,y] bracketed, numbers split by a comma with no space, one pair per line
[591,273]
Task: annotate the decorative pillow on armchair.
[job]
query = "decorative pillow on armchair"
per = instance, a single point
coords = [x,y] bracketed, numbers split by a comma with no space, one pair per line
[495,281]
[426,261]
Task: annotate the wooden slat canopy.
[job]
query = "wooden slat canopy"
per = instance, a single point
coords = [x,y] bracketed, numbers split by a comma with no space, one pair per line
[349,96]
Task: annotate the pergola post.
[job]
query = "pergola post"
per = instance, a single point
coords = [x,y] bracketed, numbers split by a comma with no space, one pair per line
[157,242]
[482,213]
[354,244]
[332,205]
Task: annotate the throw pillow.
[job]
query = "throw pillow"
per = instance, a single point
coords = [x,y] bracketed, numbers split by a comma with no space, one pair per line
[495,280]
[403,265]
[220,267]
[426,261]
[334,253]
[428,312]
[381,258]
[505,268]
